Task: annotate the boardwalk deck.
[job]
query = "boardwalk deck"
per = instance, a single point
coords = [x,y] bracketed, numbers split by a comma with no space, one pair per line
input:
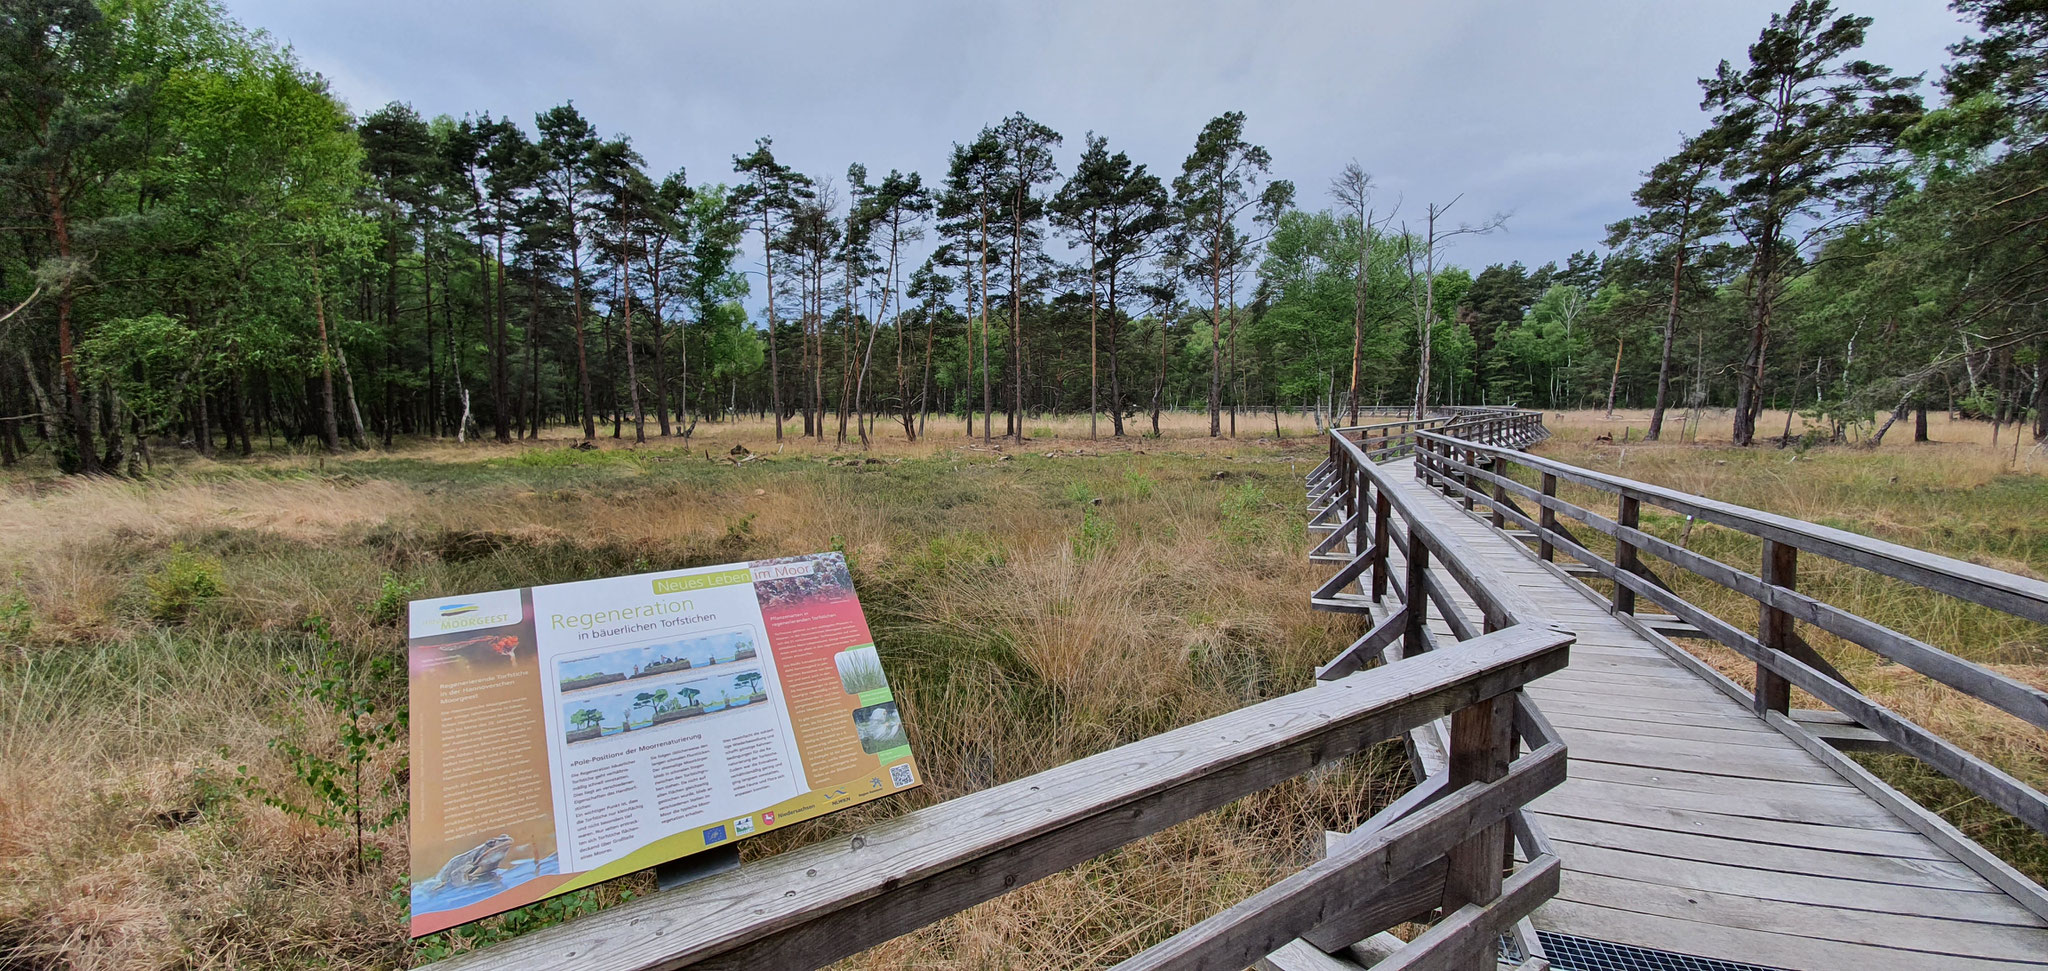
[1688,824]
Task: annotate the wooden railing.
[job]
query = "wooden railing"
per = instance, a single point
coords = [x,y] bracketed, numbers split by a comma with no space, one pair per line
[1442,853]
[1483,474]
[1371,530]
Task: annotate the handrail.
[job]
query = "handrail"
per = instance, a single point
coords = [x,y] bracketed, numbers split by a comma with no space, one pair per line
[1369,523]
[823,902]
[1439,855]
[1479,474]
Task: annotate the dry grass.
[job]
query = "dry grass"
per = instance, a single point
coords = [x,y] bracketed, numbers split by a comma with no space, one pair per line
[1956,495]
[1022,624]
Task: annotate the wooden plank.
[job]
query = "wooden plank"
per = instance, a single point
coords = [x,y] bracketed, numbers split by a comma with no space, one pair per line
[1907,932]
[1300,955]
[1833,805]
[1790,765]
[1894,844]
[1743,945]
[829,900]
[1587,696]
[1474,928]
[1993,784]
[1718,721]
[1999,873]
[1988,907]
[1367,648]
[1594,720]
[1714,849]
[1303,901]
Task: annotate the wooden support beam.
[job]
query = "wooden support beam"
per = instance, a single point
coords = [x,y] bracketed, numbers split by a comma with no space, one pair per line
[1774,627]
[1625,555]
[1381,511]
[1482,746]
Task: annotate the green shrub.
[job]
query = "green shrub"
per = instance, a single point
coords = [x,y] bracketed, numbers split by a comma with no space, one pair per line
[393,593]
[185,581]
[17,618]
[1098,533]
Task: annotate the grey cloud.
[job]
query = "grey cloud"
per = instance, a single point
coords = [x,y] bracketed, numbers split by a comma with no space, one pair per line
[1549,109]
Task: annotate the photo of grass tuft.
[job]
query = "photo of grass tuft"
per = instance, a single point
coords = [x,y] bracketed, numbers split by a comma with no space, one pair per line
[860,670]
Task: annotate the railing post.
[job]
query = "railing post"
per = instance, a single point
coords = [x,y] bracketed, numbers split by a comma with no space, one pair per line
[1774,626]
[1381,533]
[1546,518]
[1471,462]
[1482,745]
[1500,492]
[1415,638]
[1625,554]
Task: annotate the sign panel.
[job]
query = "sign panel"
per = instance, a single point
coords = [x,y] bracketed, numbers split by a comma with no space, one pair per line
[568,734]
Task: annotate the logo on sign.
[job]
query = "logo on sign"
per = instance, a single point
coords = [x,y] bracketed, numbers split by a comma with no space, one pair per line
[457,610]
[715,834]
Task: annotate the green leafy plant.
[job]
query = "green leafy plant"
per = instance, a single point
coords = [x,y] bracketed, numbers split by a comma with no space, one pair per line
[185,581]
[17,618]
[511,924]
[1097,535]
[393,593]
[339,787]
[1244,509]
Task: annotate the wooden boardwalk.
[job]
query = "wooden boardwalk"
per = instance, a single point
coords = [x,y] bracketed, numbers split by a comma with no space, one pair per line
[1689,824]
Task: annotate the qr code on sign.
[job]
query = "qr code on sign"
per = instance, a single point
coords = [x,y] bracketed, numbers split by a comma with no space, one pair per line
[900,775]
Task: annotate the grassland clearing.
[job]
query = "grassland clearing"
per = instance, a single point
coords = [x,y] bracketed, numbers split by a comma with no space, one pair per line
[1032,604]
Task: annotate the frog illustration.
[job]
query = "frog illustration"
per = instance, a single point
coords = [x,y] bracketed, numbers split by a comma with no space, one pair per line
[474,865]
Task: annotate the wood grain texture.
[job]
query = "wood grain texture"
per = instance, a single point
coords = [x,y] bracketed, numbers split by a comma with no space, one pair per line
[1676,784]
[823,902]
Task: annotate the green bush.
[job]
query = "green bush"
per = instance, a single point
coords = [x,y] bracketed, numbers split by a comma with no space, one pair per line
[393,593]
[185,581]
[1097,535]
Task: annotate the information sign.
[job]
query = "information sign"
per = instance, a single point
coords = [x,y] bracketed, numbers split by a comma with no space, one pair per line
[564,735]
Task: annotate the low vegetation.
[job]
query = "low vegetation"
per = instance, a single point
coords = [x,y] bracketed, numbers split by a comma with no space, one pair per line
[1031,605]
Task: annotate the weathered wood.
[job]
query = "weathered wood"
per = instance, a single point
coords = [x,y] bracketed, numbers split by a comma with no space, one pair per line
[1415,637]
[1345,576]
[2025,892]
[1997,589]
[1464,940]
[823,902]
[1500,495]
[1329,889]
[1381,512]
[1774,626]
[1741,944]
[1299,955]
[1625,555]
[1764,884]
[1683,762]
[1366,648]
[1482,745]
[1897,932]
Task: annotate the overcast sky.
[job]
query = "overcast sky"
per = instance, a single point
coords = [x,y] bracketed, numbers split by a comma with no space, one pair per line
[1546,110]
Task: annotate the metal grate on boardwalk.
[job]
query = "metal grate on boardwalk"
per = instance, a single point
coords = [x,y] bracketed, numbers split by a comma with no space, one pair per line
[1690,825]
